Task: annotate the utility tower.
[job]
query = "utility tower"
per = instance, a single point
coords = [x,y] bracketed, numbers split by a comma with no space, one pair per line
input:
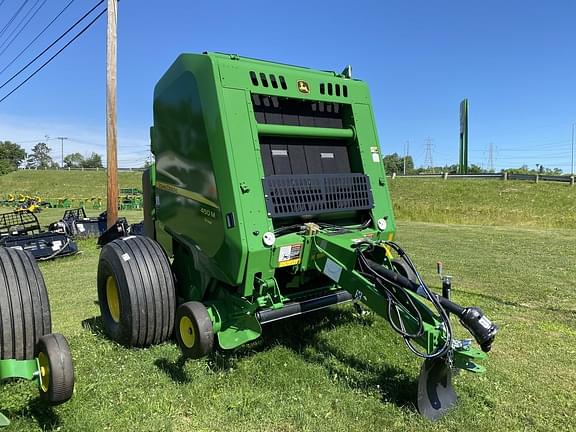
[491,157]
[428,160]
[406,154]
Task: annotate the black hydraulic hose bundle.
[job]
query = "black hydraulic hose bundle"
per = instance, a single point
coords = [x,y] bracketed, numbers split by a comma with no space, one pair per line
[394,286]
[472,318]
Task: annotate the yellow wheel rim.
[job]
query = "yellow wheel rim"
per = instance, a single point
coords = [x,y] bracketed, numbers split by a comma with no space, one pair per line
[187,332]
[44,367]
[113,299]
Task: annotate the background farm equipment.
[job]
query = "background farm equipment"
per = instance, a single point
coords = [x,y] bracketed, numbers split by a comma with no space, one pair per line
[21,230]
[279,208]
[76,224]
[28,349]
[130,199]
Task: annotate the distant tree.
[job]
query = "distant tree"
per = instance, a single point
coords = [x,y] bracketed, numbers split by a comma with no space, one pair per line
[393,163]
[73,160]
[5,166]
[540,170]
[40,157]
[553,171]
[475,169]
[12,153]
[93,161]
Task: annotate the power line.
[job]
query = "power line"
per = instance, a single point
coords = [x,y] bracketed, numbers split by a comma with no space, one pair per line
[9,41]
[54,56]
[36,38]
[11,20]
[20,22]
[52,44]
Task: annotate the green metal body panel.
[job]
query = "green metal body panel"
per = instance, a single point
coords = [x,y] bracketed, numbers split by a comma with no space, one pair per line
[17,369]
[25,369]
[205,140]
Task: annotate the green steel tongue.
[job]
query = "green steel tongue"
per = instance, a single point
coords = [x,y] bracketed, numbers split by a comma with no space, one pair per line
[435,392]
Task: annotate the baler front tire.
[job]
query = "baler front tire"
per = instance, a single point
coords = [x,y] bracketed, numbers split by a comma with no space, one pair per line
[24,306]
[56,369]
[136,292]
[194,332]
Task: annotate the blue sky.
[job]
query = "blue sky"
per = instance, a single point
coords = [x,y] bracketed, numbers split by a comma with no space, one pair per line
[514,60]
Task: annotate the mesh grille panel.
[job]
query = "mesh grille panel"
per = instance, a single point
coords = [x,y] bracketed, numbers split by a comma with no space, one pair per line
[295,195]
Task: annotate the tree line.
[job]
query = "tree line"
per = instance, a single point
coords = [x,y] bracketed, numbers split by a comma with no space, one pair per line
[394,163]
[13,156]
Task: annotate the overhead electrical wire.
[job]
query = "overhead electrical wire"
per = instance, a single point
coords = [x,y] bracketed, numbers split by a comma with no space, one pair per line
[54,56]
[51,45]
[36,38]
[9,40]
[11,20]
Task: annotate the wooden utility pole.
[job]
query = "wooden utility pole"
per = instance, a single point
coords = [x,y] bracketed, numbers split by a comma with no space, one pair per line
[111,153]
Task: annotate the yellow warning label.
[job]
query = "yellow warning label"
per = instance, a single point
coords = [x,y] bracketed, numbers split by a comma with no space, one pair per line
[289,263]
[289,255]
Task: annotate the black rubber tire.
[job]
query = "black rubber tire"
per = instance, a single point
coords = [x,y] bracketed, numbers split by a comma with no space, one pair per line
[145,289]
[61,369]
[24,306]
[148,205]
[201,325]
[404,269]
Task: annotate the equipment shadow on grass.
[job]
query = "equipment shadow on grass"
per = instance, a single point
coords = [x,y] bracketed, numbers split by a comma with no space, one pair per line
[95,325]
[40,411]
[303,337]
[44,414]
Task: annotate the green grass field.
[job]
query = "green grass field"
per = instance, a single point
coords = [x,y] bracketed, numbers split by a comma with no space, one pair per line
[56,184]
[485,202]
[335,370]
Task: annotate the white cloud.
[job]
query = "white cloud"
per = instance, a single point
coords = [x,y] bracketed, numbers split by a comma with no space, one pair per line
[133,145]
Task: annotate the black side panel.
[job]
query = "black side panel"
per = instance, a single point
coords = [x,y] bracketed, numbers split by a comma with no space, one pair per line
[295,112]
[280,159]
[297,159]
[266,159]
[283,156]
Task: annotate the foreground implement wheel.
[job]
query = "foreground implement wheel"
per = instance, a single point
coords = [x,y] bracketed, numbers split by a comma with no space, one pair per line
[56,369]
[24,307]
[194,330]
[136,291]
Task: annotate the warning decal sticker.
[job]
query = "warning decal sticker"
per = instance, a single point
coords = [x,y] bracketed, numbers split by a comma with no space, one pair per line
[289,255]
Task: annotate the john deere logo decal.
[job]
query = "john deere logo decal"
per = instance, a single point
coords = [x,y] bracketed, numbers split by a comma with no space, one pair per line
[303,87]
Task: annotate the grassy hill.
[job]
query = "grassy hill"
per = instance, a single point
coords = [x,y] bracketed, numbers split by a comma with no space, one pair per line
[55,184]
[485,202]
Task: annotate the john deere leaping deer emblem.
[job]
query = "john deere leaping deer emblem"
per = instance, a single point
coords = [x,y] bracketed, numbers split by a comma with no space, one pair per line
[303,87]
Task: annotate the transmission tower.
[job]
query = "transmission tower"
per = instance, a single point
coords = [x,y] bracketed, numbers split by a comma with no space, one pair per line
[428,161]
[491,157]
[407,150]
